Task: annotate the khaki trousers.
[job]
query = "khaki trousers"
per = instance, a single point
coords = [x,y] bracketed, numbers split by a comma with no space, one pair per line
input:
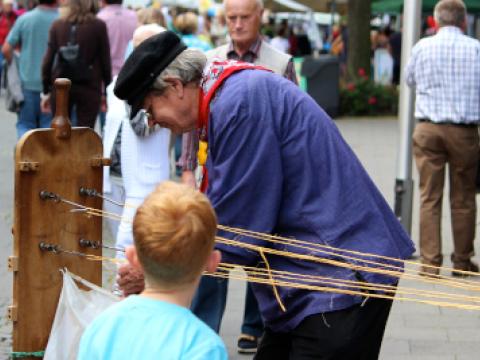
[435,145]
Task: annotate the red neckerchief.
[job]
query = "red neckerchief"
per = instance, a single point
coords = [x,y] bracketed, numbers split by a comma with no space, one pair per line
[217,72]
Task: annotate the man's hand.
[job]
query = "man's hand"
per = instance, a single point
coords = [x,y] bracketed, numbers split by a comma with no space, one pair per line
[130,280]
[45,104]
[103,104]
[7,51]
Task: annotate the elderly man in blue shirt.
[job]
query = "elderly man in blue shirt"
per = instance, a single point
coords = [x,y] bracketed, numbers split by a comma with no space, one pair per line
[276,164]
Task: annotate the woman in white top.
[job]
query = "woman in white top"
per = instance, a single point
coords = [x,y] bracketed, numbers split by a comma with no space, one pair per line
[144,153]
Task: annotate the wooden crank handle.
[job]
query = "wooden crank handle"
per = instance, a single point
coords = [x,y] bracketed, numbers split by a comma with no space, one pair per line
[61,121]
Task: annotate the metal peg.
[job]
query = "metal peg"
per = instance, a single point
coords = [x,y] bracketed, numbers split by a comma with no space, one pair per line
[49,247]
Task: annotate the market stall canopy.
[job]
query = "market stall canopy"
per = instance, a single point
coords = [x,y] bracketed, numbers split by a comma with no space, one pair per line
[315,5]
[286,5]
[396,6]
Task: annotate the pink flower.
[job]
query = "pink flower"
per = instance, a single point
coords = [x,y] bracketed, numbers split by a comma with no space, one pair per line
[361,72]
[350,87]
[372,100]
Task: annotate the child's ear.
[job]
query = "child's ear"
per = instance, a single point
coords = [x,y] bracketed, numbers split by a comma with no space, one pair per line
[213,261]
[132,257]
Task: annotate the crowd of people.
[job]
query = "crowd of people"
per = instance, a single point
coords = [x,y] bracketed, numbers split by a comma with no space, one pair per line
[223,91]
[35,45]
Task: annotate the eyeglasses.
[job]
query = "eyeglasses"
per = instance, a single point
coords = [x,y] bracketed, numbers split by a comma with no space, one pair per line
[144,116]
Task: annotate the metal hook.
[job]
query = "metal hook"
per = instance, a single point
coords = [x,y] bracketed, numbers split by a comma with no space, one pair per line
[49,247]
[89,244]
[88,192]
[47,195]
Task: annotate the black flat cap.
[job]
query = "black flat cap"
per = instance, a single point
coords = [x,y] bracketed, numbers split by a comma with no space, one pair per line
[143,66]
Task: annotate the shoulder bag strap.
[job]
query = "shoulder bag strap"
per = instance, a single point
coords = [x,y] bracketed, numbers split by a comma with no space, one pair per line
[73,30]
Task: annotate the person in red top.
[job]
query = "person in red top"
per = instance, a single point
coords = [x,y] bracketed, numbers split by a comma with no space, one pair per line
[7,19]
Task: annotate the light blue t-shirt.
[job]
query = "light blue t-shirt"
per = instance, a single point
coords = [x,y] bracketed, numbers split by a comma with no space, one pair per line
[194,42]
[143,328]
[31,33]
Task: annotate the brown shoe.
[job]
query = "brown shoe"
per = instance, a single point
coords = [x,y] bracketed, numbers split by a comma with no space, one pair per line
[469,266]
[429,271]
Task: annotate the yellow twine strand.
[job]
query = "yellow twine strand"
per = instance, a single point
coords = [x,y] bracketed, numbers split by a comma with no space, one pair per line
[396,274]
[405,273]
[269,280]
[352,283]
[275,291]
[317,248]
[291,241]
[269,237]
[347,292]
[463,284]
[410,273]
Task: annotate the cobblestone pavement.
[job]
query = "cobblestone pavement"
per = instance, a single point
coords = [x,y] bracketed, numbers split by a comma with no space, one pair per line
[414,331]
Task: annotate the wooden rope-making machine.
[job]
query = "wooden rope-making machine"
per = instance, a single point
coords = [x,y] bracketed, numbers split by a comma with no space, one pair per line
[51,165]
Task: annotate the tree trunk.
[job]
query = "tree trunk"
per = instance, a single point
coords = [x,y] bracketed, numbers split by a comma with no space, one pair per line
[358,44]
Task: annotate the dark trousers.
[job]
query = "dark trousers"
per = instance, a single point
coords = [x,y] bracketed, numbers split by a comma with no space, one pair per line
[86,101]
[209,304]
[352,333]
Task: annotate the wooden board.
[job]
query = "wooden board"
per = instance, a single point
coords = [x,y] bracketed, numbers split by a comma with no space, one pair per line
[44,161]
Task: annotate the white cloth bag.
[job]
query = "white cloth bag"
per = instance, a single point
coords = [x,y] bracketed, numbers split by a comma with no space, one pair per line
[75,311]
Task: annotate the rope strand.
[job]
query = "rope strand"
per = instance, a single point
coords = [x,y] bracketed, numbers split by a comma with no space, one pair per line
[331,256]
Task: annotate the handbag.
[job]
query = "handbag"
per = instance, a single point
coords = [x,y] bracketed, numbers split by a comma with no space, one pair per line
[69,62]
[13,86]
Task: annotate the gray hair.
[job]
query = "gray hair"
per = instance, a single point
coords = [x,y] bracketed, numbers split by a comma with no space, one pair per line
[450,13]
[187,67]
[260,3]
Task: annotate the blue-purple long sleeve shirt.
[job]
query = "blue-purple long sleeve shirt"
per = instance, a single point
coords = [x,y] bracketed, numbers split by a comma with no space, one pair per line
[277,164]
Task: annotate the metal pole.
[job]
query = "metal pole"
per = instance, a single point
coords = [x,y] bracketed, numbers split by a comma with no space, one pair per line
[404,184]
[333,10]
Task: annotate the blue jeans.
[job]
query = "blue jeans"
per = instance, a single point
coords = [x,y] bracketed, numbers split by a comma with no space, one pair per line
[73,116]
[102,117]
[30,117]
[209,305]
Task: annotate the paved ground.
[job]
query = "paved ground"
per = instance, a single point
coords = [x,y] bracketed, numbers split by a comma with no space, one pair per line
[414,331]
[7,141]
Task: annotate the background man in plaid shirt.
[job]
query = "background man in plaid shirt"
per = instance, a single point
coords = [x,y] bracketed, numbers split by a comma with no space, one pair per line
[445,71]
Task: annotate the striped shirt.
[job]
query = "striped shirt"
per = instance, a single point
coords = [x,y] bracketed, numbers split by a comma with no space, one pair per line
[251,55]
[445,70]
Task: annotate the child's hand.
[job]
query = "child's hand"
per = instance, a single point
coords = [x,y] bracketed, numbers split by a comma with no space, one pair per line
[130,280]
